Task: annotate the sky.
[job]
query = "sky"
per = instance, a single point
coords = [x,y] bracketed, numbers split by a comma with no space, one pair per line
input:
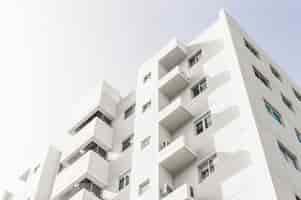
[52,52]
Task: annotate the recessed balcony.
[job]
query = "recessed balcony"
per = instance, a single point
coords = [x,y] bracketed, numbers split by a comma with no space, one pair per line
[173,82]
[174,115]
[177,155]
[172,54]
[184,192]
[90,165]
[96,130]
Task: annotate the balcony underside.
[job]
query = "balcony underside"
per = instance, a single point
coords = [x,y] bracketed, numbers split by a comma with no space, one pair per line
[174,115]
[172,55]
[173,83]
[176,156]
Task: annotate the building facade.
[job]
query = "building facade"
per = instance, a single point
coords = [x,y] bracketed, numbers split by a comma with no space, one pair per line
[213,119]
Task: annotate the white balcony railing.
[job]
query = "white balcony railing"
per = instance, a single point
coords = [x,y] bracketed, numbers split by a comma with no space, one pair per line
[174,115]
[90,165]
[184,192]
[176,155]
[172,83]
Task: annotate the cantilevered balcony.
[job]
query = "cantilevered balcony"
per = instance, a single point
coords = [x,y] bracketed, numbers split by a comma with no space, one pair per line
[184,192]
[90,166]
[174,115]
[172,83]
[172,54]
[176,155]
[96,130]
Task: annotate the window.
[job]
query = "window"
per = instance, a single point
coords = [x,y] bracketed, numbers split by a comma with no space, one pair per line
[147,77]
[128,112]
[144,186]
[287,102]
[298,134]
[89,186]
[195,58]
[297,198]
[145,142]
[297,94]
[127,142]
[251,48]
[274,113]
[97,114]
[261,77]
[203,123]
[146,106]
[124,180]
[199,87]
[207,167]
[290,158]
[36,168]
[275,73]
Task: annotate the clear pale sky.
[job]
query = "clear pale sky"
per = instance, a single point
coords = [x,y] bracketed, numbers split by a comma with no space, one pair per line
[52,52]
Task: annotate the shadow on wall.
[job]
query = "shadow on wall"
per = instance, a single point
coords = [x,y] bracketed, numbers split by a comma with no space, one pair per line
[220,120]
[236,162]
[214,83]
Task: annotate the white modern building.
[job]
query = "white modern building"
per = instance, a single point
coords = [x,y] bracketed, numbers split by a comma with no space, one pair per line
[213,119]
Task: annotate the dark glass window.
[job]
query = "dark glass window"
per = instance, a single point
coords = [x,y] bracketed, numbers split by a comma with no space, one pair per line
[127,142]
[251,48]
[199,87]
[203,123]
[146,106]
[273,112]
[195,58]
[261,77]
[275,73]
[288,156]
[207,167]
[124,180]
[297,94]
[287,102]
[128,112]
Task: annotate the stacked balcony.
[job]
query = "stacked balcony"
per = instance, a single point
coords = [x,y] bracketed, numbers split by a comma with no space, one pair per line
[173,80]
[96,130]
[90,166]
[176,155]
[184,192]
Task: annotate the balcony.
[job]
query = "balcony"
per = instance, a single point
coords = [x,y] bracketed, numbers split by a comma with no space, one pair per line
[96,130]
[84,195]
[184,192]
[177,155]
[172,83]
[174,115]
[90,165]
[172,55]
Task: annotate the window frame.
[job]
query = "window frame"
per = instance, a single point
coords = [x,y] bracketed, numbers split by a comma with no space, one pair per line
[195,58]
[287,102]
[206,122]
[124,179]
[276,115]
[287,154]
[298,135]
[144,186]
[251,48]
[276,73]
[145,142]
[127,143]
[129,111]
[297,94]
[259,75]
[146,106]
[147,77]
[207,167]
[199,87]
